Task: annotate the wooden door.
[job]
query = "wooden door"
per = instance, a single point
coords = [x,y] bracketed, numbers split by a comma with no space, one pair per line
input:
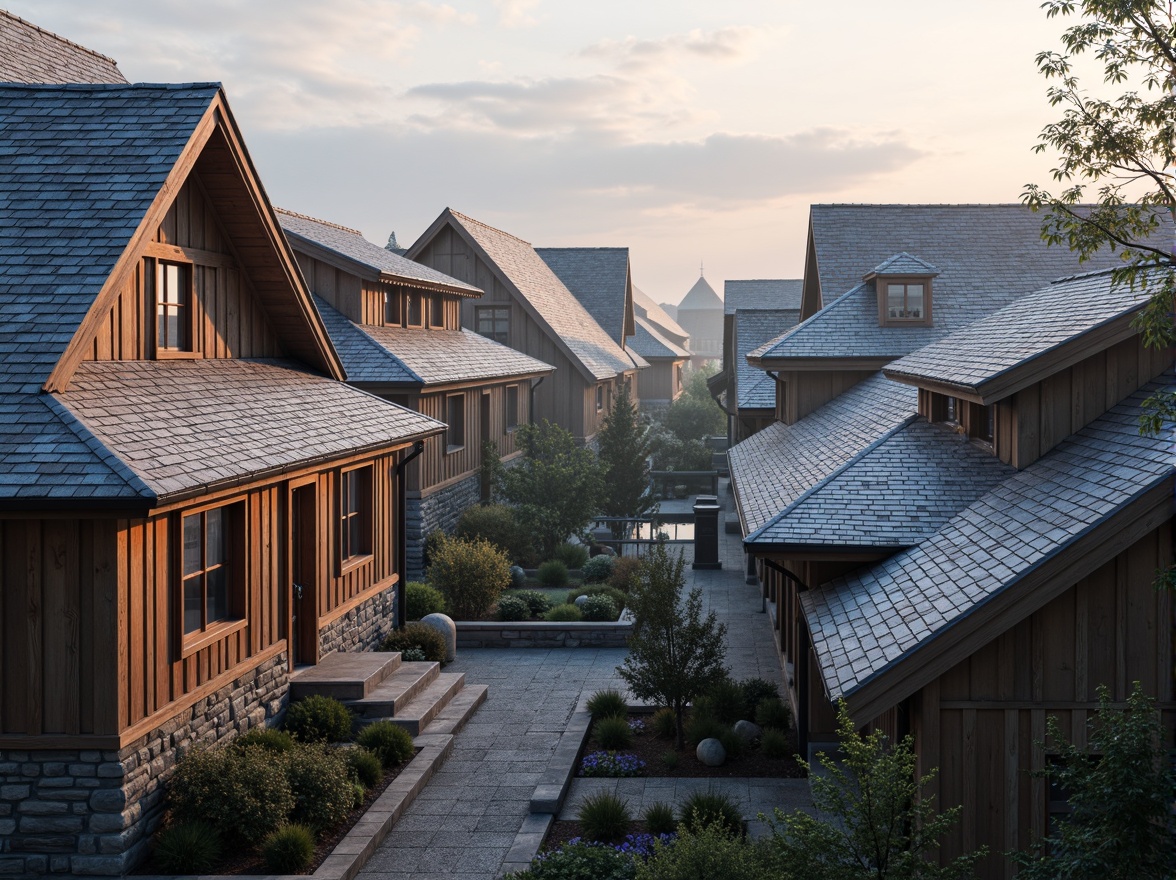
[303,576]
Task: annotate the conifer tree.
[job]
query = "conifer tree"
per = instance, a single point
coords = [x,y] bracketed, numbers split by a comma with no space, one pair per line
[624,459]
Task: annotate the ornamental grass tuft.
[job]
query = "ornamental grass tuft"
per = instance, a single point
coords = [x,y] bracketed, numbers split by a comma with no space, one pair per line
[608,703]
[604,817]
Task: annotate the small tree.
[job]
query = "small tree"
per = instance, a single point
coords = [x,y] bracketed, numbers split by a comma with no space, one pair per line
[884,826]
[1121,791]
[556,487]
[624,461]
[675,654]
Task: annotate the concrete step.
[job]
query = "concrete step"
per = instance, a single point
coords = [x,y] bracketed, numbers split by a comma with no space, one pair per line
[460,709]
[344,676]
[398,690]
[428,704]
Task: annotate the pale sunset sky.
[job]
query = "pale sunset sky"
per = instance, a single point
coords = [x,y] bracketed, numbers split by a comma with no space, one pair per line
[688,131]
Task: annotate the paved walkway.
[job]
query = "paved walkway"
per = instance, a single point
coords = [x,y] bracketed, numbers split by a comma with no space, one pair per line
[464,822]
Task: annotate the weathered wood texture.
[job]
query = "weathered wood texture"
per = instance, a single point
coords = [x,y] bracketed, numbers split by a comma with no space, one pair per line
[980,722]
[227,320]
[801,392]
[661,380]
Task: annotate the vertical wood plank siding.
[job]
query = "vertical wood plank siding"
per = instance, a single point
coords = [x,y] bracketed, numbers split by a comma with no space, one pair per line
[809,391]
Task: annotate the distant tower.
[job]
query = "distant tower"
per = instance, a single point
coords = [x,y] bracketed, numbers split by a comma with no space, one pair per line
[393,246]
[701,315]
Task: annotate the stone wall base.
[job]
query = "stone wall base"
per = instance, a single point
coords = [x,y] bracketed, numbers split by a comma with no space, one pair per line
[437,510]
[363,628]
[542,634]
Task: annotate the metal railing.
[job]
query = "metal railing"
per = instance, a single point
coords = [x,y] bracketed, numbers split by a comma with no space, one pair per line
[638,533]
[664,481]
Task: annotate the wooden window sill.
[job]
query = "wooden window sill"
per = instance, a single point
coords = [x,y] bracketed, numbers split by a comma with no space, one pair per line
[353,562]
[168,354]
[449,450]
[197,640]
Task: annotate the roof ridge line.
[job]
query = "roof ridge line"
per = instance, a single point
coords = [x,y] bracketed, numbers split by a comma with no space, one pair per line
[55,36]
[862,453]
[488,226]
[290,213]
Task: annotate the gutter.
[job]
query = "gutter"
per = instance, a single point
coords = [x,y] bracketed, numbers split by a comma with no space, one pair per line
[534,385]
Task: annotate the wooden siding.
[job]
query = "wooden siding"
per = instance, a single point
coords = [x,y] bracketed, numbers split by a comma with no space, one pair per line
[979,723]
[799,393]
[659,381]
[226,318]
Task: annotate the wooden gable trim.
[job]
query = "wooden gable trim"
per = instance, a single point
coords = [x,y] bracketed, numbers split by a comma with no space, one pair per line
[1039,587]
[447,219]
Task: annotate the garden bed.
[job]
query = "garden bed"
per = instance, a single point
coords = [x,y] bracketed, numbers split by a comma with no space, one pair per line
[542,634]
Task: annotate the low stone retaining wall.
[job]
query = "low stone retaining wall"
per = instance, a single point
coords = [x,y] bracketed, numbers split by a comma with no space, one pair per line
[542,634]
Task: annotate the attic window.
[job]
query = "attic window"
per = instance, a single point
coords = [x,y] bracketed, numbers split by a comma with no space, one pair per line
[393,306]
[437,311]
[904,301]
[415,310]
[903,286]
[173,307]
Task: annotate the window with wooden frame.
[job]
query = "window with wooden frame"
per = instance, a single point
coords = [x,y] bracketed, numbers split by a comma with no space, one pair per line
[437,311]
[455,417]
[393,308]
[599,398]
[512,407]
[414,310]
[493,322]
[905,300]
[172,283]
[212,570]
[355,515]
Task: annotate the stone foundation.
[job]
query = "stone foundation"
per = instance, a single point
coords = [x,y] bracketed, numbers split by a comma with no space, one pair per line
[90,811]
[543,634]
[437,510]
[363,628]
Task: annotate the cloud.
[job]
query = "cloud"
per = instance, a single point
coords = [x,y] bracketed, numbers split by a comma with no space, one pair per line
[728,44]
[516,13]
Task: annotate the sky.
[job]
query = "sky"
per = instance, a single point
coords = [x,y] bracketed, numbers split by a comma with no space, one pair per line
[694,133]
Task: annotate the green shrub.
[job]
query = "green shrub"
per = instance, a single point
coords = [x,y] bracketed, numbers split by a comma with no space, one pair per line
[733,743]
[432,542]
[706,808]
[659,819]
[289,850]
[624,573]
[366,766]
[571,555]
[471,573]
[358,794]
[722,701]
[604,816]
[670,759]
[318,719]
[712,852]
[664,723]
[243,793]
[613,733]
[553,573]
[320,780]
[420,599]
[538,603]
[774,744]
[773,713]
[187,848]
[608,703]
[599,609]
[498,524]
[564,614]
[413,654]
[420,636]
[267,738]
[389,742]
[700,727]
[580,861]
[619,599]
[513,608]
[597,569]
[755,691]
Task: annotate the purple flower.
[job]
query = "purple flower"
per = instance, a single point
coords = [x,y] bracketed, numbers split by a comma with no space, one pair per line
[611,764]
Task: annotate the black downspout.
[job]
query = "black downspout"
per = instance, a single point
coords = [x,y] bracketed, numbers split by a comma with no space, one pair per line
[531,414]
[401,514]
[802,665]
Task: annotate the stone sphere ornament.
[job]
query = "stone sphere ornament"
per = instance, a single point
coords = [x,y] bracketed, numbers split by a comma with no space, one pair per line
[711,752]
[444,624]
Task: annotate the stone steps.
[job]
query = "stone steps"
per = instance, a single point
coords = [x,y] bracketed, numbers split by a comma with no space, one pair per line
[427,705]
[398,690]
[345,676]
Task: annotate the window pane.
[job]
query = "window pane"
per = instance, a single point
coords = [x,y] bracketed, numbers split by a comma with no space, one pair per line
[351,492]
[171,283]
[355,540]
[414,309]
[512,406]
[894,300]
[392,303]
[193,600]
[214,538]
[914,305]
[217,590]
[192,536]
[437,307]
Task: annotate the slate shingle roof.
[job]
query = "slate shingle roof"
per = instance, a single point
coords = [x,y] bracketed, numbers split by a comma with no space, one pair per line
[364,359]
[762,293]
[79,166]
[651,342]
[894,494]
[905,264]
[864,623]
[598,278]
[180,426]
[351,244]
[754,388]
[645,307]
[570,322]
[1031,327]
[700,297]
[987,255]
[772,468]
[29,54]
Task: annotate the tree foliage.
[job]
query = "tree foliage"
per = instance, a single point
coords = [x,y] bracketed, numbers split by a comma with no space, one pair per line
[624,461]
[1120,150]
[675,653]
[556,486]
[1121,790]
[884,825]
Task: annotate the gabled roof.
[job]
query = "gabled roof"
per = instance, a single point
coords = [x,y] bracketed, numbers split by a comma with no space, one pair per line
[755,389]
[651,342]
[902,264]
[893,494]
[599,279]
[541,294]
[762,293]
[191,425]
[29,54]
[700,297]
[366,259]
[1022,343]
[987,255]
[645,307]
[874,630]
[364,359]
[772,468]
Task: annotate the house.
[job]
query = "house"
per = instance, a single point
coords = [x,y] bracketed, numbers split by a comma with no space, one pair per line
[527,307]
[29,54]
[664,346]
[965,542]
[754,312]
[191,500]
[701,315]
[397,327]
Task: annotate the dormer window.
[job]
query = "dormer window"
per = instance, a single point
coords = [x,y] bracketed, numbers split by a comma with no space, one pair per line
[903,285]
[173,307]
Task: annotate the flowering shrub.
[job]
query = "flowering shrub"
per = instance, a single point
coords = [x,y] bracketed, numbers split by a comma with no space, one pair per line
[637,725]
[611,764]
